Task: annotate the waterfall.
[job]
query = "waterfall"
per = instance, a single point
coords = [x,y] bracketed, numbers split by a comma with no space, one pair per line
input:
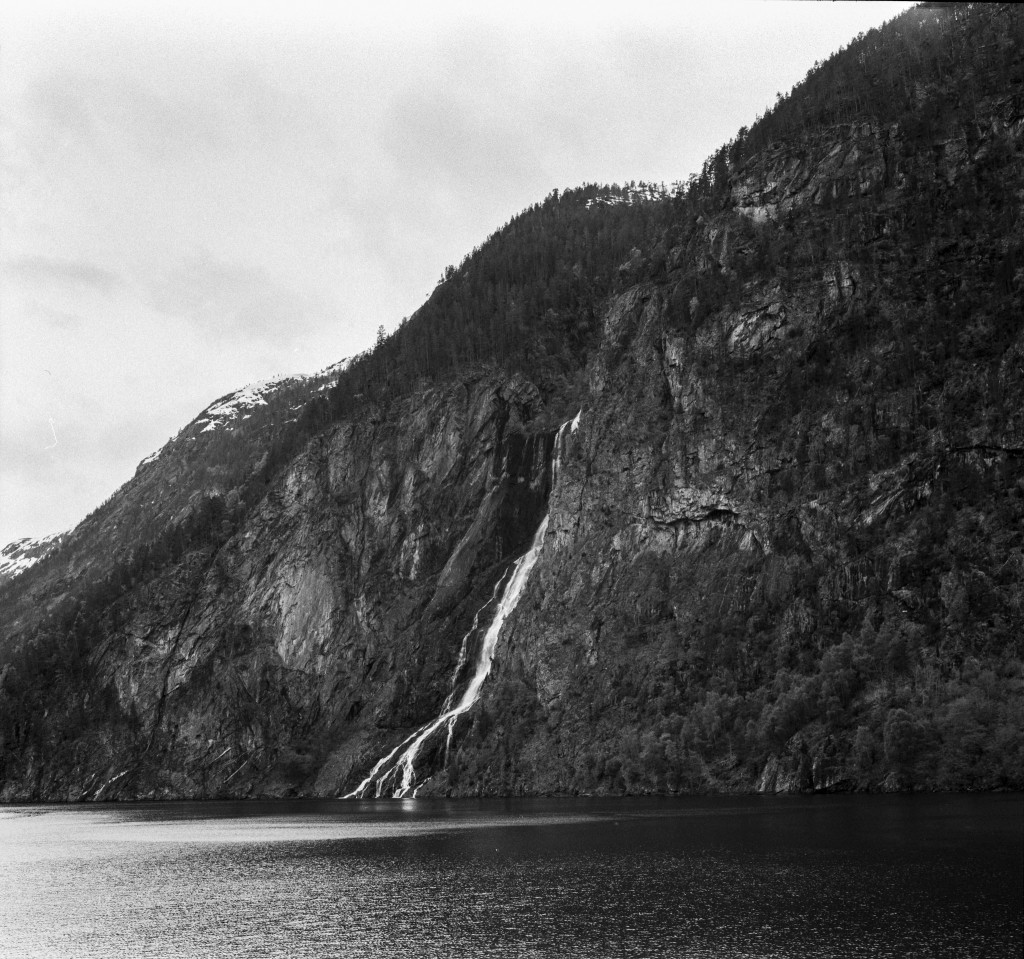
[446,708]
[400,772]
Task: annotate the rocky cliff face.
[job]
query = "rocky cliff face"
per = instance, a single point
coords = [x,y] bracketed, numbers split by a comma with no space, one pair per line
[782,545]
[331,611]
[786,546]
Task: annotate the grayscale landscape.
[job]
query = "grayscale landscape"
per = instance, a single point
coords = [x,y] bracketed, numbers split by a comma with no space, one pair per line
[641,570]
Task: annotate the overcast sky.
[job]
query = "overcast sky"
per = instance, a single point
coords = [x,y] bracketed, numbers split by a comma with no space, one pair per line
[198,196]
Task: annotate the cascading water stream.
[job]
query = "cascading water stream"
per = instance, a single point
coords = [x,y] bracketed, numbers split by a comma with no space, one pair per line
[445,708]
[388,769]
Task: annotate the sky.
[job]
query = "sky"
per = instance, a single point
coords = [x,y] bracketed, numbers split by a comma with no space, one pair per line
[194,197]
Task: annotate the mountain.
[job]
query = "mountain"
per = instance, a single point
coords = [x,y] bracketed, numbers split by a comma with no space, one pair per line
[712,490]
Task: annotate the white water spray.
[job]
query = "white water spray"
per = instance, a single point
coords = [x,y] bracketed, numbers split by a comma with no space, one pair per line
[389,769]
[445,708]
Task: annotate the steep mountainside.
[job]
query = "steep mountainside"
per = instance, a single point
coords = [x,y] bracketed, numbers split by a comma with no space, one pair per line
[715,491]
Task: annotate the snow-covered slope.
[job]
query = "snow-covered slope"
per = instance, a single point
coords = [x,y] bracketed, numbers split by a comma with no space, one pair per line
[630,194]
[24,553]
[233,408]
[239,405]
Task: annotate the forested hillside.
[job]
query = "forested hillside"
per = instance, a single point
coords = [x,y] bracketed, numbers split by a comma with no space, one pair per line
[783,542]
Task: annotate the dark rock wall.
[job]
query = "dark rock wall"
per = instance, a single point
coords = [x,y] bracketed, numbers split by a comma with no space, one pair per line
[331,618]
[785,547]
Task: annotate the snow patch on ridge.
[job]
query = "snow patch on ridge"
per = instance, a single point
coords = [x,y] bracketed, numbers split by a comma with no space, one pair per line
[630,194]
[24,553]
[238,406]
[335,368]
[235,405]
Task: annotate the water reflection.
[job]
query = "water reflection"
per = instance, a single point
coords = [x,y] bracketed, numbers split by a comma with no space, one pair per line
[824,876]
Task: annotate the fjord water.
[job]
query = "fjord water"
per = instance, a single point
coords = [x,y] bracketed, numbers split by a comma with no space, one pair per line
[780,877]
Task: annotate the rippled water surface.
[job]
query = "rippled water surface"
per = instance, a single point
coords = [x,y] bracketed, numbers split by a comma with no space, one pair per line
[815,876]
